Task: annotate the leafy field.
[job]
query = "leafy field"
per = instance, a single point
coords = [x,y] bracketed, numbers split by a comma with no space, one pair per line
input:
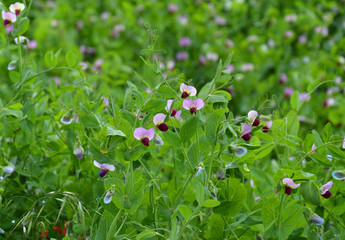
[180,120]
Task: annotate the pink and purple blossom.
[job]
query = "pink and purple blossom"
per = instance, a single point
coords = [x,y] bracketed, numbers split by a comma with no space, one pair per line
[193,105]
[8,17]
[105,168]
[289,185]
[17,8]
[324,190]
[144,135]
[187,90]
[158,120]
[246,129]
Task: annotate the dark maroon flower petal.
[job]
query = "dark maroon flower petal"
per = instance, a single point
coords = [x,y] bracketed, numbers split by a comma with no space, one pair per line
[145,141]
[265,129]
[288,190]
[17,12]
[256,122]
[80,155]
[103,172]
[246,137]
[184,95]
[173,112]
[326,195]
[193,110]
[6,21]
[163,127]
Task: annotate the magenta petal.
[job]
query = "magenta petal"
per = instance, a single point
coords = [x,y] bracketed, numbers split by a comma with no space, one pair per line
[150,133]
[246,128]
[140,133]
[344,143]
[97,164]
[178,115]
[187,104]
[326,187]
[290,183]
[199,103]
[158,118]
[169,102]
[183,87]
[108,167]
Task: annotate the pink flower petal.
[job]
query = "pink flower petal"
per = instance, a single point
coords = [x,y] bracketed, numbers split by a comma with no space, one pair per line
[97,164]
[252,115]
[109,167]
[169,102]
[199,103]
[269,124]
[189,89]
[178,116]
[290,183]
[150,133]
[326,187]
[344,143]
[187,104]
[158,118]
[140,133]
[246,128]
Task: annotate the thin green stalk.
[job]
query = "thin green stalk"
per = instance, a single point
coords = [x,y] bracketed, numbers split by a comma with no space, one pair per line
[280,213]
[188,220]
[113,225]
[179,195]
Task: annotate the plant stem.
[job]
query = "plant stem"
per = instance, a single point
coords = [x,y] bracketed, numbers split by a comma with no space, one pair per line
[280,213]
[113,225]
[179,195]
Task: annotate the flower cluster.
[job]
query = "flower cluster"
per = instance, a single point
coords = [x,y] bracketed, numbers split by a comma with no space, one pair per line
[15,10]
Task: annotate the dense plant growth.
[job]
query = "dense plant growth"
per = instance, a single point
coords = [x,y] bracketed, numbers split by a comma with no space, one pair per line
[214,130]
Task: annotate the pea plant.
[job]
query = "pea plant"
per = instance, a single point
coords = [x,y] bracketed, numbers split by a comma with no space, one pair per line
[168,162]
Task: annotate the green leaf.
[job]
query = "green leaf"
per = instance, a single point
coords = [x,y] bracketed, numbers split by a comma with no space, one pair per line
[20,27]
[210,203]
[112,131]
[11,112]
[172,138]
[237,195]
[146,234]
[292,123]
[310,193]
[317,139]
[155,105]
[189,128]
[219,96]
[321,160]
[294,101]
[185,211]
[71,58]
[199,193]
[327,132]
[89,121]
[263,151]
[50,59]
[206,89]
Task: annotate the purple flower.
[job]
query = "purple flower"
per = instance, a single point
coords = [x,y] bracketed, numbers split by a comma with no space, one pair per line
[108,197]
[172,8]
[17,8]
[252,115]
[202,60]
[247,67]
[289,185]
[316,219]
[192,106]
[105,168]
[174,113]
[246,129]
[9,28]
[212,56]
[187,90]
[220,21]
[324,190]
[32,44]
[181,56]
[291,18]
[283,78]
[158,120]
[231,68]
[106,102]
[288,92]
[83,65]
[288,34]
[184,42]
[343,143]
[302,39]
[144,135]
[78,151]
[304,96]
[8,17]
